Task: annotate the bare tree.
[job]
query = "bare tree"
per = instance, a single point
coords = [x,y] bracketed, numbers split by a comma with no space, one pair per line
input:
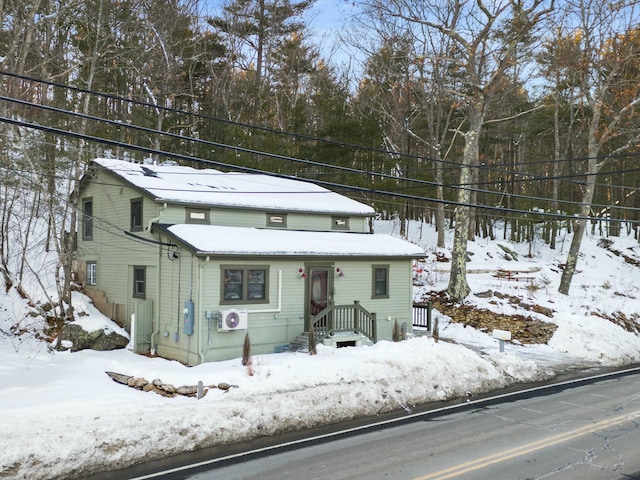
[487,39]
[602,31]
[37,37]
[408,83]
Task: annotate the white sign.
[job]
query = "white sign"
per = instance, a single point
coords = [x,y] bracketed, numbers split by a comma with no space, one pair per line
[501,334]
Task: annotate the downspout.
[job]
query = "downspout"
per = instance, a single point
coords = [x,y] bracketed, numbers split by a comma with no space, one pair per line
[200,287]
[156,326]
[157,219]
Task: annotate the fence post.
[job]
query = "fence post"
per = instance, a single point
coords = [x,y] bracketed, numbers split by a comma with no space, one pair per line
[356,317]
[429,306]
[330,314]
[374,328]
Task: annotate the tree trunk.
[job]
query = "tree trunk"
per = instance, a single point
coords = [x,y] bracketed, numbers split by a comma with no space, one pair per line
[580,225]
[458,287]
[440,206]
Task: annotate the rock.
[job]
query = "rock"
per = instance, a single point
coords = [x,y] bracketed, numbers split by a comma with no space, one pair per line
[543,310]
[162,393]
[163,389]
[508,253]
[119,378]
[96,340]
[167,387]
[137,382]
[187,390]
[525,330]
[109,341]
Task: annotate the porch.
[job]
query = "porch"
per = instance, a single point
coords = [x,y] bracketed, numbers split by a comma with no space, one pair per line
[348,325]
[340,325]
[337,320]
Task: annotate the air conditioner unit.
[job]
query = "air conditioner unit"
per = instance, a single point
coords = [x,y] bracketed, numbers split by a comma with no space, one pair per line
[233,320]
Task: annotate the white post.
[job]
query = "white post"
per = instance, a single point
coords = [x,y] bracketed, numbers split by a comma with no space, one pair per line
[200,390]
[501,335]
[132,334]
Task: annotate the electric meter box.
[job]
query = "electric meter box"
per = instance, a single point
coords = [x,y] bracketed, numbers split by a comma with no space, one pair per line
[188,318]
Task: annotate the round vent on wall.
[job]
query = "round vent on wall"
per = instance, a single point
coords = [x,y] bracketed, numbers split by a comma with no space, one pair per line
[232,320]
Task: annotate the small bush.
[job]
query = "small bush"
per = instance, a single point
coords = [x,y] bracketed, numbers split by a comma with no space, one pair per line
[532,288]
[396,334]
[246,351]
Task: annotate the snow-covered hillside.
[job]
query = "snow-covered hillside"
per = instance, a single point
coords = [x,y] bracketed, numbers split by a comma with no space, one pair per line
[62,405]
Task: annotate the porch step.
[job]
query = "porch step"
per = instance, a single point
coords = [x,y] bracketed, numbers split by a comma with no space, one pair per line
[301,343]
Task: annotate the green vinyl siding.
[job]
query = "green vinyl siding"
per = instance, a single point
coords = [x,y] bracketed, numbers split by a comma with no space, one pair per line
[170,280]
[181,280]
[356,284]
[260,219]
[238,217]
[267,327]
[111,248]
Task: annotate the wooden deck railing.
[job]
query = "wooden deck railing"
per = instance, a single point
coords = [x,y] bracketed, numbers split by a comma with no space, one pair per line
[422,315]
[344,318]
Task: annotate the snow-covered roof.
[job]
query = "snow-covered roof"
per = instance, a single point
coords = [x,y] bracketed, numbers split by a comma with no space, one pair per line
[218,240]
[171,183]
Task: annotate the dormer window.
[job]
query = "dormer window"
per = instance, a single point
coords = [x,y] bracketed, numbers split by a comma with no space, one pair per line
[198,215]
[340,223]
[277,220]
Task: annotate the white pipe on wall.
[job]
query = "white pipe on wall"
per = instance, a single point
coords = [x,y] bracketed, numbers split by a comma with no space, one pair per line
[278,309]
[132,340]
[199,309]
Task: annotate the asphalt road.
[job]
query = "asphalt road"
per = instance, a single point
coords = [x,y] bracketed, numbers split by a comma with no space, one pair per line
[587,432]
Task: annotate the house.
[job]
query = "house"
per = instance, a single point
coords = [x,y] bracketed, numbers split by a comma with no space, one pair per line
[190,260]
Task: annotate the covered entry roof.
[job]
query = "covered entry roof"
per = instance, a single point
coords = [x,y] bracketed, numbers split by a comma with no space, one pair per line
[219,240]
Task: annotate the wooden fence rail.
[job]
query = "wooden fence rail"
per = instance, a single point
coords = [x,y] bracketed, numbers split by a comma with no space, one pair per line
[422,315]
[345,318]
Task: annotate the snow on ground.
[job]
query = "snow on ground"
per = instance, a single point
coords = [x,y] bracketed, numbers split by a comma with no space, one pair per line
[61,405]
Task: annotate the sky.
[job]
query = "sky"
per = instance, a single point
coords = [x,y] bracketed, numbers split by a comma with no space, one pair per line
[325,19]
[324,15]
[60,405]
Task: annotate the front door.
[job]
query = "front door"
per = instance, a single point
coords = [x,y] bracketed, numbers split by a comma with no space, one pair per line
[319,289]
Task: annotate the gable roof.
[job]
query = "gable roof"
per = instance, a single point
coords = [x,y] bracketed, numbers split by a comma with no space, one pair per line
[218,240]
[170,183]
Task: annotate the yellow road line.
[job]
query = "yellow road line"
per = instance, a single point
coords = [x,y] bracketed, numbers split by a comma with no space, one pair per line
[527,448]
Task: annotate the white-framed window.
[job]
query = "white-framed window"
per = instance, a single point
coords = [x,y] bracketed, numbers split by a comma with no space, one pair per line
[91,277]
[340,223]
[277,220]
[198,215]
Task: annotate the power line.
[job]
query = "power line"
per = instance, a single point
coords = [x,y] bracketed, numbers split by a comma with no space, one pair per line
[297,160]
[362,190]
[453,165]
